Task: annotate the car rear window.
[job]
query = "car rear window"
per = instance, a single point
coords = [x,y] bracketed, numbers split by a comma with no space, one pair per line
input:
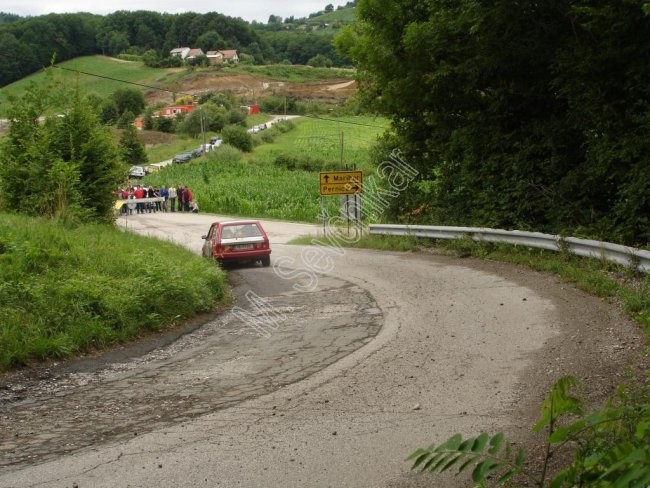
[240,231]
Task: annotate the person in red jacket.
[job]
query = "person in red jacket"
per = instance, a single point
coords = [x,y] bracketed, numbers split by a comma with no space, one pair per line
[188,199]
[139,193]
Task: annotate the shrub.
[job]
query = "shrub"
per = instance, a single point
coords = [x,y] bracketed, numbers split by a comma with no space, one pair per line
[613,444]
[238,137]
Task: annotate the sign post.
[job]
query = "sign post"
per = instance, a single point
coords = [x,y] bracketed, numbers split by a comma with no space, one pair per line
[344,183]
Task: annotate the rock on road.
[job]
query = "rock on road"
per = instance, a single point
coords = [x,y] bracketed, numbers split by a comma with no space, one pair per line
[386,353]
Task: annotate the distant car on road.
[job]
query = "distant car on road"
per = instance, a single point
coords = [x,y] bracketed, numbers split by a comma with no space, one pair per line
[216,142]
[182,158]
[137,172]
[198,152]
[237,241]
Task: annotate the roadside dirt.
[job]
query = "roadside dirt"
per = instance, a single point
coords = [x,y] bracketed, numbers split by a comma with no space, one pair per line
[254,87]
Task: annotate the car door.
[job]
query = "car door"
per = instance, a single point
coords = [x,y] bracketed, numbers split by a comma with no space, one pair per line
[208,245]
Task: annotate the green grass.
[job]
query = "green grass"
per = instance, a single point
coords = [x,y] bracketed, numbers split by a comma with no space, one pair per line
[345,15]
[317,142]
[257,185]
[100,65]
[64,290]
[222,182]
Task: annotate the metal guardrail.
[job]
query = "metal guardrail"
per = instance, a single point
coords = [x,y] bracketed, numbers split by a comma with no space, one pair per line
[631,257]
[140,200]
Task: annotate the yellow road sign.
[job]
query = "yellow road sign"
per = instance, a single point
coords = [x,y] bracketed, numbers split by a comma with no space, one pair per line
[341,182]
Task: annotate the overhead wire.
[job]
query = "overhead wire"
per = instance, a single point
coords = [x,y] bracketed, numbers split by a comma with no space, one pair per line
[167,90]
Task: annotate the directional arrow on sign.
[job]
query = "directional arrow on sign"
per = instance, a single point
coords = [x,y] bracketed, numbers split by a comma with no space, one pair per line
[342,182]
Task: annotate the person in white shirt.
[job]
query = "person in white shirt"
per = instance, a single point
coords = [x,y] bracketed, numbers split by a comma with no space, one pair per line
[172,197]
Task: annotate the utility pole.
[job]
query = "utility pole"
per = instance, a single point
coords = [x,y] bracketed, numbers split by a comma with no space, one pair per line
[202,129]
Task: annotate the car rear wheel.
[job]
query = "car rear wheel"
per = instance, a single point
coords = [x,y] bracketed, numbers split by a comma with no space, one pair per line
[266,261]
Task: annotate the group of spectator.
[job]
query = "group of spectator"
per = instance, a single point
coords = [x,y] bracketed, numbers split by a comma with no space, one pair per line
[175,199]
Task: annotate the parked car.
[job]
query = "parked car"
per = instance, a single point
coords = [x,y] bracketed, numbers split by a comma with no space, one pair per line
[216,142]
[137,172]
[198,152]
[152,168]
[182,157]
[237,241]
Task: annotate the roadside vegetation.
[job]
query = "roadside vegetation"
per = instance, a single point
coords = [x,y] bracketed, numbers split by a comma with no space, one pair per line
[279,178]
[552,137]
[70,282]
[66,290]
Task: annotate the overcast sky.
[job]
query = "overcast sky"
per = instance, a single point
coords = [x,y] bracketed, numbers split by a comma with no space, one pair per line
[246,9]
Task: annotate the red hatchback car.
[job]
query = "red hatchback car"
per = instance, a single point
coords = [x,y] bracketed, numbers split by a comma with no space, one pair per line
[237,241]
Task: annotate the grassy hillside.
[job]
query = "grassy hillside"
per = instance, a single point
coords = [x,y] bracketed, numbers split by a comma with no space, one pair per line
[68,290]
[345,15]
[100,65]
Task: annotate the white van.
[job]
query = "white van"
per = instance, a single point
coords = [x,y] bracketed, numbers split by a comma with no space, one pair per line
[137,172]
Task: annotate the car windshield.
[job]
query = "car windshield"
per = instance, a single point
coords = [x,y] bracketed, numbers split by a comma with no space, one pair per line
[240,231]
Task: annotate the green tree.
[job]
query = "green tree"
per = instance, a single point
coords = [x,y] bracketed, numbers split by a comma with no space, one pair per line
[320,61]
[246,59]
[116,43]
[125,120]
[147,120]
[164,124]
[151,58]
[108,111]
[64,167]
[129,99]
[516,114]
[130,147]
[238,137]
[193,123]
[211,41]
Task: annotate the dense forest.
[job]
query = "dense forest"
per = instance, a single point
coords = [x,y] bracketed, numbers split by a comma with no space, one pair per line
[29,44]
[529,115]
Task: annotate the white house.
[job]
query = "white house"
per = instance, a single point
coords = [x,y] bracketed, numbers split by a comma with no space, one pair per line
[180,52]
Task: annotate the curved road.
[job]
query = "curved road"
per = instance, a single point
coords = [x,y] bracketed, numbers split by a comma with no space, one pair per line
[325,378]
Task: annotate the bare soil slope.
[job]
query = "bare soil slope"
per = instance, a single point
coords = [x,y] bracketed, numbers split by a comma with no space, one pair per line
[255,87]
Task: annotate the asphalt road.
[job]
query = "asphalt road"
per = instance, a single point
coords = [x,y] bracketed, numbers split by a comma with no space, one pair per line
[331,380]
